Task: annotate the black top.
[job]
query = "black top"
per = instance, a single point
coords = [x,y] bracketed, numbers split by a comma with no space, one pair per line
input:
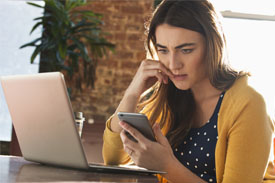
[197,151]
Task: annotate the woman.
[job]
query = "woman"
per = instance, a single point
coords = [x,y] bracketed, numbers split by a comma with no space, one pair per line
[210,125]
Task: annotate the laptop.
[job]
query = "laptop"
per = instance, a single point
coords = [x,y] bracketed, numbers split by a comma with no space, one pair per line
[44,122]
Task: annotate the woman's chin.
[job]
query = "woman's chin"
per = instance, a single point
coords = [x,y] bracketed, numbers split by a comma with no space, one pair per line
[181,86]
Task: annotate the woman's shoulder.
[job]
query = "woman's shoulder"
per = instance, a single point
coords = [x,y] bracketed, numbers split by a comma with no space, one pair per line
[243,91]
[242,99]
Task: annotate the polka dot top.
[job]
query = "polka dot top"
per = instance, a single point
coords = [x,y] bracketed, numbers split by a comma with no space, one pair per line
[197,151]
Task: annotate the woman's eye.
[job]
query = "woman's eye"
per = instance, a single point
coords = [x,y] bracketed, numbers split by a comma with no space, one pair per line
[186,51]
[163,51]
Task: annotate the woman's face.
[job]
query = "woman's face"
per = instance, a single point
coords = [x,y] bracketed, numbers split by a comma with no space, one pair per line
[183,52]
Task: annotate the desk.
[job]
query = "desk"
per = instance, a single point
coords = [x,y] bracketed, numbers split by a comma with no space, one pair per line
[16,169]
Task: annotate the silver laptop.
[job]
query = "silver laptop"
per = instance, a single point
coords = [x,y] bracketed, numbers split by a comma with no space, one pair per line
[43,119]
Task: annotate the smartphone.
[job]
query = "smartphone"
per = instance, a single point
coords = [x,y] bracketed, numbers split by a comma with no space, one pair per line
[138,121]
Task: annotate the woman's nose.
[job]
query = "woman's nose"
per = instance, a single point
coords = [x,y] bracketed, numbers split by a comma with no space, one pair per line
[175,62]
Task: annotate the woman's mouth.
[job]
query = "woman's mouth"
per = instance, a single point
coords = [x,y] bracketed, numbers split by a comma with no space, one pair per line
[179,77]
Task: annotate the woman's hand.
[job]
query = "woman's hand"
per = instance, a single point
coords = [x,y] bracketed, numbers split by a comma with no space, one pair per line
[148,73]
[146,153]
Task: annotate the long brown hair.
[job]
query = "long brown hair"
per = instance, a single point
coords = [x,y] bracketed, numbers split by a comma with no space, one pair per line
[173,108]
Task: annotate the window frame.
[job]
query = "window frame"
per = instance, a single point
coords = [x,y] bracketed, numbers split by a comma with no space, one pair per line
[248,16]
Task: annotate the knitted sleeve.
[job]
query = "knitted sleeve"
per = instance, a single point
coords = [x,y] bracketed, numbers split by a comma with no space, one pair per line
[112,151]
[248,141]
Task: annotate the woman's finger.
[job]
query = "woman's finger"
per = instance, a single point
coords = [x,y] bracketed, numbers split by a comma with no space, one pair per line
[133,132]
[156,73]
[128,144]
[159,136]
[129,151]
[157,65]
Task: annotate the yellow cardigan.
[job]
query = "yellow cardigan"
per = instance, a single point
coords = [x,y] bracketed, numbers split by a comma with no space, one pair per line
[244,152]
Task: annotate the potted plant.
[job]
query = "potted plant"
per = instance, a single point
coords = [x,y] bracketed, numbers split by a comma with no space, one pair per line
[71,40]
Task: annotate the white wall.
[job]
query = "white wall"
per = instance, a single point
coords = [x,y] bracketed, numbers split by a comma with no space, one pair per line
[16,21]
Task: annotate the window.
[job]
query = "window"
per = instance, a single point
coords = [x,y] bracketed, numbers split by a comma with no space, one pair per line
[263,7]
[16,19]
[249,27]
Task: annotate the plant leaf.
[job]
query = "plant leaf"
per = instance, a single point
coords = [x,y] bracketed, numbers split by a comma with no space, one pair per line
[35,53]
[32,43]
[36,5]
[35,26]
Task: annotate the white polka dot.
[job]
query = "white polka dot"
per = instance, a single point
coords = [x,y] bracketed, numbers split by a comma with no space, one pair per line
[176,149]
[215,126]
[205,164]
[181,153]
[190,152]
[210,180]
[197,159]
[198,133]
[218,114]
[201,175]
[222,95]
[204,133]
[187,163]
[195,144]
[207,154]
[217,137]
[205,172]
[208,121]
[184,142]
[201,148]
[208,139]
[196,166]
[191,138]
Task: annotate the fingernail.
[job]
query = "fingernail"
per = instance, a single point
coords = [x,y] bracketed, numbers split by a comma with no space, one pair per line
[121,123]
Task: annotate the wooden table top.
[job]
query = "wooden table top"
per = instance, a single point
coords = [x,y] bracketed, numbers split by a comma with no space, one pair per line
[16,169]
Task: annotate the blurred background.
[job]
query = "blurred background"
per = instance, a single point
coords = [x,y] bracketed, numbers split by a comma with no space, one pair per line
[113,52]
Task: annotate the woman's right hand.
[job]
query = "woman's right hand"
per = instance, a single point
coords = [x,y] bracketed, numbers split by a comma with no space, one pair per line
[148,73]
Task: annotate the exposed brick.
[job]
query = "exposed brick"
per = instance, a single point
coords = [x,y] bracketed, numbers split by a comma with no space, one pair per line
[120,36]
[133,28]
[129,65]
[133,37]
[118,91]
[125,55]
[118,17]
[136,45]
[124,21]
[140,55]
[107,81]
[132,10]
[111,63]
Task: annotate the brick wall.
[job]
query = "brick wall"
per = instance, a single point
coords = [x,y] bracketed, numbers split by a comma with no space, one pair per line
[124,20]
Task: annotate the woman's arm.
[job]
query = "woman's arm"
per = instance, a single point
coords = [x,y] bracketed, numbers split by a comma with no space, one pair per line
[249,143]
[112,151]
[149,73]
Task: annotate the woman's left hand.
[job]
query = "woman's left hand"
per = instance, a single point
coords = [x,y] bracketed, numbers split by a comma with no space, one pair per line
[146,153]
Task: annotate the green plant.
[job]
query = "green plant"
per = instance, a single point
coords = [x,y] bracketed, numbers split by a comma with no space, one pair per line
[68,33]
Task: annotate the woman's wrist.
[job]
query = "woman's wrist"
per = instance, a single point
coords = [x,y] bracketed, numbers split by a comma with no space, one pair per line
[127,104]
[131,95]
[170,167]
